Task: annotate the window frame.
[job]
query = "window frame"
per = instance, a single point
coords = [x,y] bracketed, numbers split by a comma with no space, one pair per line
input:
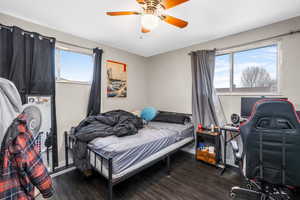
[58,65]
[248,47]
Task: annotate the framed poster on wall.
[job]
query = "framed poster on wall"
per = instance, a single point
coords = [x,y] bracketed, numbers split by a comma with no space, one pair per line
[116,79]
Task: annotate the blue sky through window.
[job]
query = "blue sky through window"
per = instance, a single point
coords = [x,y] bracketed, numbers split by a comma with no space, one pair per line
[76,66]
[265,57]
[222,71]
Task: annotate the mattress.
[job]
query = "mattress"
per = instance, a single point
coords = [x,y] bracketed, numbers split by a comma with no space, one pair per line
[130,150]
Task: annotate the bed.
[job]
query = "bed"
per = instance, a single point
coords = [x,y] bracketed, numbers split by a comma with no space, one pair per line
[118,158]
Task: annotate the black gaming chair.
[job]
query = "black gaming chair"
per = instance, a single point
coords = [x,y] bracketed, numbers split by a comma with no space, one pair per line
[270,159]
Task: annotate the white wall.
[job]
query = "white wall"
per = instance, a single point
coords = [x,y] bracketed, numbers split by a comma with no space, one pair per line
[72,99]
[169,74]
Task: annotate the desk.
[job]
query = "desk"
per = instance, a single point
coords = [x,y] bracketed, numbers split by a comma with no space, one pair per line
[224,131]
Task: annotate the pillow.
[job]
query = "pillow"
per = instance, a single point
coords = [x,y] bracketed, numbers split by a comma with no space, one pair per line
[136,113]
[148,113]
[171,117]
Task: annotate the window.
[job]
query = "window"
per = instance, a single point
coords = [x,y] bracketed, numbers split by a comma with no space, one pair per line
[73,66]
[251,71]
[222,73]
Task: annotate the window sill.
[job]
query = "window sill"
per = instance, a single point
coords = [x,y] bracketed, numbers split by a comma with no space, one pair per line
[73,82]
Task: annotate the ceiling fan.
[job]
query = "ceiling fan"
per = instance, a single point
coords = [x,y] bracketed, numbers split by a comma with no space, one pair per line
[153,11]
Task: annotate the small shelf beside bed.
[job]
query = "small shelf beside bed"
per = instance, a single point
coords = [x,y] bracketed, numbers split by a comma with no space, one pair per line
[208,148]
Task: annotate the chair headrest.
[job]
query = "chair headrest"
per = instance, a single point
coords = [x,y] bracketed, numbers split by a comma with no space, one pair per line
[275,108]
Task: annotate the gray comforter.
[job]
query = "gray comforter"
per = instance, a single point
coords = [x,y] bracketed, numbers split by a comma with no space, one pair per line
[118,123]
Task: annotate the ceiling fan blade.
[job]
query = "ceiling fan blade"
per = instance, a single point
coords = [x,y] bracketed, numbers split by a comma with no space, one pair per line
[144,30]
[175,21]
[141,1]
[167,4]
[122,13]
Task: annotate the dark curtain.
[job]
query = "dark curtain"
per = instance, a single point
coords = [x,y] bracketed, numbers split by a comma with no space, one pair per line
[94,106]
[28,60]
[203,107]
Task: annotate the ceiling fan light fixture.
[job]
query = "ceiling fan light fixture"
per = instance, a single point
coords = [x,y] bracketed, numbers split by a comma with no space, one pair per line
[150,21]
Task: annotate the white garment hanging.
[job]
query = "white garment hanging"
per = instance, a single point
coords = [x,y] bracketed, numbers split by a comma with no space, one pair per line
[10,105]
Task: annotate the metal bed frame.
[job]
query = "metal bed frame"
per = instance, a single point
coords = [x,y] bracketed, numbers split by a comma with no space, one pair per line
[70,141]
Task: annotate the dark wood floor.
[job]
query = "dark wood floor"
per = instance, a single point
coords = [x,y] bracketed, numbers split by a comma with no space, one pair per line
[189,180]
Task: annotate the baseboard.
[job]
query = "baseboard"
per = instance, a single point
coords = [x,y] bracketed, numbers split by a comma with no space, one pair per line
[62,170]
[189,149]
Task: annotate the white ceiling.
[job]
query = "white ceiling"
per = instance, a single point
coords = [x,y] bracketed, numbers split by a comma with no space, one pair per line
[208,19]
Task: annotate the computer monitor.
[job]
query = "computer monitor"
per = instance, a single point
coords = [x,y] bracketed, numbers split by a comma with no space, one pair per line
[247,104]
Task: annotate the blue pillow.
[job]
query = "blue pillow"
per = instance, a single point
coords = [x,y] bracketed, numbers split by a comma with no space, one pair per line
[148,113]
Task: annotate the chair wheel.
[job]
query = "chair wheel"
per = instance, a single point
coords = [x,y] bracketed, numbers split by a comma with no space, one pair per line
[232,195]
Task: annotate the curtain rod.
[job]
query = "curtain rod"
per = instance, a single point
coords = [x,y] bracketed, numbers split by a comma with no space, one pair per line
[27,33]
[75,45]
[45,37]
[256,41]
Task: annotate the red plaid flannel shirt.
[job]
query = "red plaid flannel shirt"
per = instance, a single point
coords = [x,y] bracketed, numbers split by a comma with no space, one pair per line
[21,167]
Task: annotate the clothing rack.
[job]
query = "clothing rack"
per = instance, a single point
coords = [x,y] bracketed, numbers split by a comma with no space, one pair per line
[255,41]
[45,37]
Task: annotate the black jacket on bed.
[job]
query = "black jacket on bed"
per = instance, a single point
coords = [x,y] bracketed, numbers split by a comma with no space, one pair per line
[118,122]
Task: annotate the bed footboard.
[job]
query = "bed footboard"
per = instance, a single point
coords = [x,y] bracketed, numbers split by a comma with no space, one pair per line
[70,141]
